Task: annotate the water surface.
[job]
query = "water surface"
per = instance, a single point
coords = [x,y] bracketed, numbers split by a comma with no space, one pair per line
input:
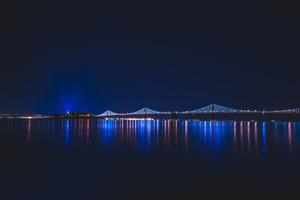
[148,159]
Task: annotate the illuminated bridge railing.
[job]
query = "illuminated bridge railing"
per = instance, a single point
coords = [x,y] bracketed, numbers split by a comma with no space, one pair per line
[145,111]
[206,109]
[216,109]
[108,113]
[294,110]
[213,108]
[223,109]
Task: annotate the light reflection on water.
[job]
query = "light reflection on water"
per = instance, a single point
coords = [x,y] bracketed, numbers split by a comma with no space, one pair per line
[217,140]
[124,155]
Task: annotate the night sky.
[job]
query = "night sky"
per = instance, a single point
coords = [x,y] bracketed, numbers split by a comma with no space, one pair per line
[58,56]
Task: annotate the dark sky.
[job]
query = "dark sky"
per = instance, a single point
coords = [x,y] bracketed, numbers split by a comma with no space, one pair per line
[91,56]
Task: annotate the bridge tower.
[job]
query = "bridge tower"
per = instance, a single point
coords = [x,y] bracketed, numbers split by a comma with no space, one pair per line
[145,112]
[213,111]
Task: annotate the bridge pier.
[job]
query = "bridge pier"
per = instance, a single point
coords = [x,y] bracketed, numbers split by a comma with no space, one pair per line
[174,115]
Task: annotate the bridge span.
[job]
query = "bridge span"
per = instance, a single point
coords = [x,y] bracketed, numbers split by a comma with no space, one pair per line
[212,111]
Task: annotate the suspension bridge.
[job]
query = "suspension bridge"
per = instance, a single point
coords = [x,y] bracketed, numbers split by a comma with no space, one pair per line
[210,109]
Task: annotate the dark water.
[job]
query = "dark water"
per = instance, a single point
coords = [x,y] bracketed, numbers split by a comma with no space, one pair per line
[107,159]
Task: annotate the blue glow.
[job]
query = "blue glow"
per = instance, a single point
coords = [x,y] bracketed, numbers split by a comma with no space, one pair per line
[67,133]
[67,108]
[264,140]
[108,130]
